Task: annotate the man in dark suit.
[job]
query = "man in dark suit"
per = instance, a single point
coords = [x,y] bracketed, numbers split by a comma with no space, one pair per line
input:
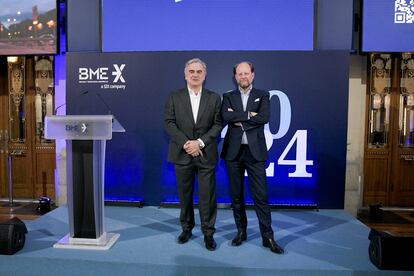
[246,110]
[193,122]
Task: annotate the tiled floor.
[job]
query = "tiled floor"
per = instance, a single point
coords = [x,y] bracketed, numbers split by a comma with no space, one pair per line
[396,222]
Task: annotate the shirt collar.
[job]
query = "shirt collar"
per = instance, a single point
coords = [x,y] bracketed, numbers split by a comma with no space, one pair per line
[192,92]
[246,92]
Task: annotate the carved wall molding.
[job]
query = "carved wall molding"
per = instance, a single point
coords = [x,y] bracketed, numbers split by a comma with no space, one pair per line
[379,99]
[17,86]
[45,88]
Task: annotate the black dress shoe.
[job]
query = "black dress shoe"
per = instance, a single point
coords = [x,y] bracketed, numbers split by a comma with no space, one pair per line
[184,236]
[274,247]
[240,237]
[210,243]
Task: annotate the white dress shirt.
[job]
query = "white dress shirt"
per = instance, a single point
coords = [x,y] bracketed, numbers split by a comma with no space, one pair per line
[245,97]
[195,97]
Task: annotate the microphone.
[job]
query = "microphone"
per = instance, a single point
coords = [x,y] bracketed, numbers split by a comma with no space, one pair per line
[116,126]
[77,97]
[105,104]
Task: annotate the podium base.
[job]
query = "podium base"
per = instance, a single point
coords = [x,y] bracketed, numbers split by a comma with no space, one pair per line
[103,243]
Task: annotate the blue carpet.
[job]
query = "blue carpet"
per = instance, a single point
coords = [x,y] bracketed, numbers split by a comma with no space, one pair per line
[328,242]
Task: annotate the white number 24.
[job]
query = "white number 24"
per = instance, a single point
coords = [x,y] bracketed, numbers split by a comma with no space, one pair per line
[300,138]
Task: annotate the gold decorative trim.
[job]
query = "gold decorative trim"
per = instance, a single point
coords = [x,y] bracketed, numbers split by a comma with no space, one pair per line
[377,153]
[407,157]
[44,148]
[18,147]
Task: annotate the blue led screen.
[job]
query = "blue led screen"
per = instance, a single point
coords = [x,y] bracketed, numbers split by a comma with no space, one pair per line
[306,135]
[388,26]
[169,25]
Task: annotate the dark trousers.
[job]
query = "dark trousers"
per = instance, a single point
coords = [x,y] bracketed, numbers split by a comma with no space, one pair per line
[206,195]
[258,185]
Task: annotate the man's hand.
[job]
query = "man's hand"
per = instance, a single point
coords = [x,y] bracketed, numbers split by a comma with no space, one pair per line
[198,153]
[238,124]
[230,110]
[252,114]
[192,147]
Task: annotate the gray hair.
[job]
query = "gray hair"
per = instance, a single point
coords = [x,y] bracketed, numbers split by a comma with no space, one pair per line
[196,60]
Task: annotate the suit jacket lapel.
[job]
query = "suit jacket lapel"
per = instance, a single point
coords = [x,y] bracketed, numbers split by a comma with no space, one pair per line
[238,104]
[203,104]
[251,99]
[185,98]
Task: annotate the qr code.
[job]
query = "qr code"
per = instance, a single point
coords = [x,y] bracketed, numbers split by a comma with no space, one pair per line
[404,11]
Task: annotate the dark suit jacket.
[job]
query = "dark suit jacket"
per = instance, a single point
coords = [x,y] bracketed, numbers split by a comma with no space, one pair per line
[254,127]
[179,124]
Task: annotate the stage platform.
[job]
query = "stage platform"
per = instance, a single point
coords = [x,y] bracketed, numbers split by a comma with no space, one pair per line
[325,242]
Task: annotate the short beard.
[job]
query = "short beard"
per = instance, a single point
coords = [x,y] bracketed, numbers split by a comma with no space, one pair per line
[244,87]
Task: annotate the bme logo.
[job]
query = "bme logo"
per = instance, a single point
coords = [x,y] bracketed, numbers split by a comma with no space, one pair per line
[100,75]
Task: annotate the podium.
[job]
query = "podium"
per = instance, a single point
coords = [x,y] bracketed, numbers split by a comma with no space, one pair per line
[85,145]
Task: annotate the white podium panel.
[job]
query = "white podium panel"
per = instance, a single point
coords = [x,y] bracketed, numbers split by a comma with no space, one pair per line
[79,127]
